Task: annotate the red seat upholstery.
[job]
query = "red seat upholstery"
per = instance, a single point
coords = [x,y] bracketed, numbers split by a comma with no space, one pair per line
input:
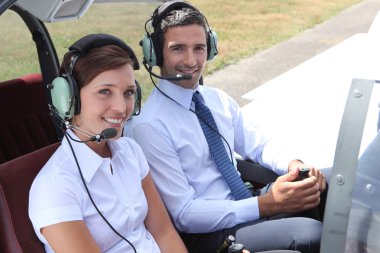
[25,123]
[16,176]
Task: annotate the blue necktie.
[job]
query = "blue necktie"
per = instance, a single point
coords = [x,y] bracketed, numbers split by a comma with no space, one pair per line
[217,149]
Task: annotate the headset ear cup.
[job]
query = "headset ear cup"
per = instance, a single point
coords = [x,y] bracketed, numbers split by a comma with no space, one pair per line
[75,92]
[213,44]
[61,95]
[138,97]
[148,51]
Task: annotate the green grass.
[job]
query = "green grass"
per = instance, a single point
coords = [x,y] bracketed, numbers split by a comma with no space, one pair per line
[244,27]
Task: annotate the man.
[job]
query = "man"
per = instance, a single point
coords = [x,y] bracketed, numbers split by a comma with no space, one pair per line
[179,138]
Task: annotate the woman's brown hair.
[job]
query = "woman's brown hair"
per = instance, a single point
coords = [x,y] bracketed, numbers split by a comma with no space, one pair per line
[94,62]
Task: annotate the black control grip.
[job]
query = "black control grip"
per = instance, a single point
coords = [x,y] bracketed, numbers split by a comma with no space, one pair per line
[303,173]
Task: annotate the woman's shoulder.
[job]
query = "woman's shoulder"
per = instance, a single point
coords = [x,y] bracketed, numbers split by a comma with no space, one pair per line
[127,142]
[132,153]
[57,181]
[128,145]
[58,168]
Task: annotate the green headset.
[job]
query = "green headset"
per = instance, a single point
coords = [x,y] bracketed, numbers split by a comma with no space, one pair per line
[152,51]
[64,89]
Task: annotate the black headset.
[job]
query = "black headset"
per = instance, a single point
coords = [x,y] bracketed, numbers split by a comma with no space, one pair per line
[150,44]
[64,89]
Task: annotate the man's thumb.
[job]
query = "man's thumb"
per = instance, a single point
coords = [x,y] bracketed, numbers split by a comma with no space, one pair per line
[291,176]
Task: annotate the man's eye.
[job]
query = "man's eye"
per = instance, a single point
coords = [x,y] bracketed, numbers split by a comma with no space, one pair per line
[176,48]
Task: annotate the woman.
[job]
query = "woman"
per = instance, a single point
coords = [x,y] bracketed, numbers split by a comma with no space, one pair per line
[98,196]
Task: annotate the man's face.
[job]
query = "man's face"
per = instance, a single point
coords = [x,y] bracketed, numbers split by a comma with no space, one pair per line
[184,52]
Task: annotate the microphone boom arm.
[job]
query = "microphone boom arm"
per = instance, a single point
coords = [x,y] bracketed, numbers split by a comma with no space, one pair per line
[177,77]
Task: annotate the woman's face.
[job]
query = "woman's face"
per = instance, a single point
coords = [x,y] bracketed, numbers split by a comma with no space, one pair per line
[107,101]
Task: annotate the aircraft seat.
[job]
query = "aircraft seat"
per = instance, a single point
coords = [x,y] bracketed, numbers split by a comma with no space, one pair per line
[26,124]
[16,177]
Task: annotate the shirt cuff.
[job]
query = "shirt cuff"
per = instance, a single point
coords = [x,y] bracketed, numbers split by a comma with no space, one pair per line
[247,210]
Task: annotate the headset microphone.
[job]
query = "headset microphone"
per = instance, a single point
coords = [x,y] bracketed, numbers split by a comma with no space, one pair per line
[106,134]
[177,77]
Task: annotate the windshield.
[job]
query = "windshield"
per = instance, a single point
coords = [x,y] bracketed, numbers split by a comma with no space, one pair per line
[352,221]
[364,219]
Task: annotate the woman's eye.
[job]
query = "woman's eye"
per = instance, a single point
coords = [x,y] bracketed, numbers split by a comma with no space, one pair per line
[129,93]
[104,91]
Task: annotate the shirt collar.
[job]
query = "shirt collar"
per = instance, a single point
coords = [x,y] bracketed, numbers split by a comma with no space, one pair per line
[177,93]
[88,160]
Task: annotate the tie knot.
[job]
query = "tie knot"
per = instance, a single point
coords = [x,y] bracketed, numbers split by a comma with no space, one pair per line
[197,98]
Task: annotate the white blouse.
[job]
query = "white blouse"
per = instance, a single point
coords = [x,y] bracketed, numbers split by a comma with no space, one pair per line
[58,194]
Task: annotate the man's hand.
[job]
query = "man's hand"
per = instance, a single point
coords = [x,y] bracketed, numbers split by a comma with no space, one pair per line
[321,179]
[290,196]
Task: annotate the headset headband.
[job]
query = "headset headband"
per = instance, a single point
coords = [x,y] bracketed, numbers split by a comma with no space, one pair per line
[161,12]
[83,45]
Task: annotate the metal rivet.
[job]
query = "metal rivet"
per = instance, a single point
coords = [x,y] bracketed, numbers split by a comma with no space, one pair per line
[369,187]
[339,179]
[357,93]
